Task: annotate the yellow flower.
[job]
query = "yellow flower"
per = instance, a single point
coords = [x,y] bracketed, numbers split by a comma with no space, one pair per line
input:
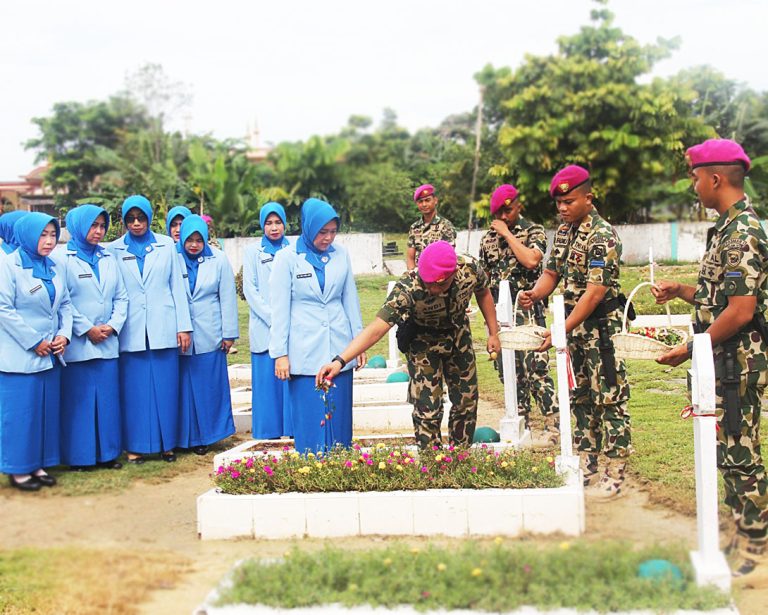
[304,470]
[295,455]
[498,540]
[396,453]
[380,445]
[565,545]
[310,455]
[415,550]
[287,554]
[399,468]
[439,458]
[252,470]
[504,464]
[353,587]
[382,465]
[318,464]
[387,562]
[441,567]
[534,469]
[476,572]
[550,459]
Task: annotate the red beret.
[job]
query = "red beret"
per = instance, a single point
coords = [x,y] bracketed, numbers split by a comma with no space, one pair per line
[423,191]
[503,195]
[437,262]
[715,152]
[567,179]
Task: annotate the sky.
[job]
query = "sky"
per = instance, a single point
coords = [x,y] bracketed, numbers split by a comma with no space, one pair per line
[302,67]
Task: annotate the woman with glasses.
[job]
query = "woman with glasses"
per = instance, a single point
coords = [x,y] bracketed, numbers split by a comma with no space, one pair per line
[157,326]
[315,314]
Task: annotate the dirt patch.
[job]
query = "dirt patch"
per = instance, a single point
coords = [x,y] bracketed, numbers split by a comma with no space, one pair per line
[161,519]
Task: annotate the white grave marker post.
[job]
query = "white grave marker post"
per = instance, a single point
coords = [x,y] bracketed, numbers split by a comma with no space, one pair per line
[708,561]
[394,354]
[566,461]
[512,426]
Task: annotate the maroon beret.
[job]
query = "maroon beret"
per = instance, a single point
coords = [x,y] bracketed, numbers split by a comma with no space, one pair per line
[716,152]
[567,179]
[423,191]
[503,195]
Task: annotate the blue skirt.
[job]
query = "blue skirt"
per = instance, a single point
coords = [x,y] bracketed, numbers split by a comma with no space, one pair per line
[90,412]
[205,403]
[149,396]
[270,399]
[312,432]
[29,421]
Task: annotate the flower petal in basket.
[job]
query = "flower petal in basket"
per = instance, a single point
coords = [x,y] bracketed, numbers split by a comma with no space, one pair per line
[522,337]
[634,346]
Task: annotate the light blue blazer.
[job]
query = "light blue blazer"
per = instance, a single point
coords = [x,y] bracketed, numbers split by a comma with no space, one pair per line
[257,267]
[308,325]
[157,309]
[101,301]
[27,316]
[213,305]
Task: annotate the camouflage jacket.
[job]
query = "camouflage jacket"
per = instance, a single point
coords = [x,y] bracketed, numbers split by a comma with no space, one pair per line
[588,253]
[411,299]
[500,262]
[420,234]
[735,265]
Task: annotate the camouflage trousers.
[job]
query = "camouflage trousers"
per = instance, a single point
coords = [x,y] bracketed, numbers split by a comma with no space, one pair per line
[602,417]
[533,379]
[435,363]
[740,460]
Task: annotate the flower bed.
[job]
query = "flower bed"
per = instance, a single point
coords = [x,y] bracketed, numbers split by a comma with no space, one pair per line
[387,468]
[604,577]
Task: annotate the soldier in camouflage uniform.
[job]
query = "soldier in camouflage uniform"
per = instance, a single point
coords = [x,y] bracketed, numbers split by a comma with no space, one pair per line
[585,256]
[513,250]
[429,228]
[731,299]
[429,306]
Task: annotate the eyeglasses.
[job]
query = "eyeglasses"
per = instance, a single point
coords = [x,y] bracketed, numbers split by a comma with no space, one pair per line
[130,219]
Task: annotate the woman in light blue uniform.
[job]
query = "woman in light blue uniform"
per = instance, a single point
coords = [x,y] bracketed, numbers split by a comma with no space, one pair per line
[206,406]
[173,220]
[157,325]
[36,324]
[90,389]
[315,314]
[270,400]
[7,222]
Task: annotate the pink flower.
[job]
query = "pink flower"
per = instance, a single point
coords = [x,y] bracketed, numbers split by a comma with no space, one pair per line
[473,470]
[286,449]
[435,447]
[235,474]
[221,470]
[451,448]
[249,462]
[424,469]
[484,446]
[447,459]
[269,470]
[369,462]
[356,447]
[347,464]
[527,569]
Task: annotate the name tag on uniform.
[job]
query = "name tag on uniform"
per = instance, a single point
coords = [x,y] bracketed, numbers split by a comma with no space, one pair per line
[597,263]
[436,307]
[35,289]
[85,275]
[269,259]
[184,275]
[733,274]
[129,258]
[303,275]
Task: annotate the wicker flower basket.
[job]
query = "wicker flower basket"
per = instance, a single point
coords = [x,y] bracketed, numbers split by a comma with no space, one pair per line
[633,346]
[521,337]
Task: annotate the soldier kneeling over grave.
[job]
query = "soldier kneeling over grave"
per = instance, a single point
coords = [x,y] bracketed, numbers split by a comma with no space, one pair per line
[429,305]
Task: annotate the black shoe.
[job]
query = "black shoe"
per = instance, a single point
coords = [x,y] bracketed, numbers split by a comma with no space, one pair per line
[169,457]
[33,484]
[46,479]
[199,450]
[136,460]
[110,465]
[80,468]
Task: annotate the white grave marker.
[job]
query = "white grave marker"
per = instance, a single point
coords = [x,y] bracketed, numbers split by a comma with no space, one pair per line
[708,561]
[394,354]
[566,462]
[512,426]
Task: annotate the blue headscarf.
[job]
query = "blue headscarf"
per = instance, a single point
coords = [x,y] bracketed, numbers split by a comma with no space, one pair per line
[79,221]
[193,224]
[6,229]
[315,214]
[142,245]
[272,247]
[177,210]
[28,231]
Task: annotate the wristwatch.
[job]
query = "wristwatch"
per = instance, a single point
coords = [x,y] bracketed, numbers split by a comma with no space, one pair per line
[340,360]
